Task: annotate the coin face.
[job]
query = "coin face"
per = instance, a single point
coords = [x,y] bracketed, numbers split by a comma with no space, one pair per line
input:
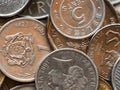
[57,40]
[24,87]
[37,9]
[104,49]
[66,69]
[11,7]
[116,75]
[104,85]
[2,77]
[77,19]
[23,44]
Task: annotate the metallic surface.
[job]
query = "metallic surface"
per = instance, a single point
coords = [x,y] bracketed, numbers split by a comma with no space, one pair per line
[38,9]
[23,44]
[77,19]
[66,69]
[11,7]
[2,77]
[104,49]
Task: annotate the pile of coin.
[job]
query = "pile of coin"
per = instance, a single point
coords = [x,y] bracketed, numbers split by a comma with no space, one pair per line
[59,45]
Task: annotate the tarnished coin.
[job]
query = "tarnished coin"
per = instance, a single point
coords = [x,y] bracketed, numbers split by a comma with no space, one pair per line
[66,69]
[104,85]
[24,87]
[23,44]
[116,75]
[11,7]
[77,19]
[57,40]
[37,9]
[104,49]
[2,77]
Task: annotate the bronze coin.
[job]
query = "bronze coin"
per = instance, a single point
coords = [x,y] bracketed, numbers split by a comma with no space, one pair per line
[104,49]
[57,40]
[2,77]
[23,44]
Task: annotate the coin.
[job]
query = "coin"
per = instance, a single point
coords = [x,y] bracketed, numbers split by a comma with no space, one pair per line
[104,49]
[11,7]
[38,9]
[104,85]
[66,69]
[77,19]
[23,43]
[2,77]
[24,87]
[57,40]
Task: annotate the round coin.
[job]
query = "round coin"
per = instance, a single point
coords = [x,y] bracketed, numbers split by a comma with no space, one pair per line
[38,9]
[24,87]
[104,49]
[66,69]
[23,44]
[11,7]
[77,19]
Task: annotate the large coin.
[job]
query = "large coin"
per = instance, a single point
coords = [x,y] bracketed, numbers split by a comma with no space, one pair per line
[11,7]
[38,9]
[66,69]
[104,49]
[23,44]
[77,19]
[24,87]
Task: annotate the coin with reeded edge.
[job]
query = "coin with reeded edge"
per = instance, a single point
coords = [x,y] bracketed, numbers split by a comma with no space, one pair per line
[77,19]
[104,49]
[2,77]
[66,69]
[23,43]
[11,7]
[24,87]
[38,9]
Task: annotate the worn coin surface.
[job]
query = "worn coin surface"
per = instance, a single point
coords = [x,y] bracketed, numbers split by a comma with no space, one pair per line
[104,85]
[104,49]
[11,7]
[38,9]
[2,77]
[66,69]
[116,75]
[77,19]
[57,40]
[24,87]
[23,44]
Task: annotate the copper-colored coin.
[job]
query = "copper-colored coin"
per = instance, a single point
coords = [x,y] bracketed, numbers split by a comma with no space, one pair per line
[77,19]
[23,44]
[104,49]
[57,40]
[104,85]
[2,77]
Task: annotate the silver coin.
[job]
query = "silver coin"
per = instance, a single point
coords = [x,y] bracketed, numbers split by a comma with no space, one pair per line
[11,7]
[66,69]
[116,75]
[24,87]
[38,9]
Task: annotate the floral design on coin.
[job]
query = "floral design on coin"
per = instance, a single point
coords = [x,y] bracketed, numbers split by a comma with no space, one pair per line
[77,19]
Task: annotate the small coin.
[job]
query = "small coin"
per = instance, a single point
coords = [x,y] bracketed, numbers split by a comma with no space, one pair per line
[66,69]
[24,87]
[11,7]
[77,19]
[2,77]
[116,75]
[23,43]
[38,9]
[104,85]
[57,40]
[104,49]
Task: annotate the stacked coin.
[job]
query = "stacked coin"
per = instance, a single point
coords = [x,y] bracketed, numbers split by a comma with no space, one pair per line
[59,45]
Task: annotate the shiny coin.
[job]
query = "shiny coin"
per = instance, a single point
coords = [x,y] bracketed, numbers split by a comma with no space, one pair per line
[38,9]
[2,77]
[77,19]
[24,87]
[23,44]
[104,49]
[11,7]
[57,40]
[66,69]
